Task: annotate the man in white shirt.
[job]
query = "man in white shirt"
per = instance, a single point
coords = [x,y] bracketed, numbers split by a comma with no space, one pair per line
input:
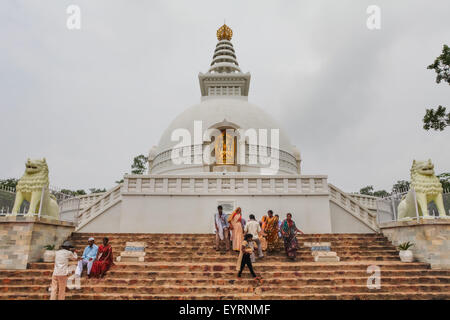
[252,227]
[61,270]
[221,229]
[88,258]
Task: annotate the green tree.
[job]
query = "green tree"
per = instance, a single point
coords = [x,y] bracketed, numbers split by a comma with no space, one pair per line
[139,164]
[439,119]
[400,186]
[367,191]
[445,180]
[441,66]
[9,183]
[95,190]
[74,193]
[381,193]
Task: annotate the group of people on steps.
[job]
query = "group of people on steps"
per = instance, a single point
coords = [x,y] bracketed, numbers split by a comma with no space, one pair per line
[247,237]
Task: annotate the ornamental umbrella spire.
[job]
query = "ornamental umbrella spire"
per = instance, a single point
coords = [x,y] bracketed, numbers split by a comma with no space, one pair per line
[224,58]
[224,77]
[224,33]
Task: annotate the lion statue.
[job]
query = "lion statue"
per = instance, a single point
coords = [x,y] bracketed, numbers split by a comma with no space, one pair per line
[427,187]
[30,188]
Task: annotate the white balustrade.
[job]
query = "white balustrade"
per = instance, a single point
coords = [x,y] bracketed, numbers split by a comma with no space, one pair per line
[347,202]
[218,184]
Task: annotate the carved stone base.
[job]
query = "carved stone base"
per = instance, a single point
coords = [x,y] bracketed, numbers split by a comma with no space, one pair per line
[23,239]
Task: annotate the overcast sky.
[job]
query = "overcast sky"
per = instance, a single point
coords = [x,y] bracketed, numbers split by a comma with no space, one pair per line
[349,98]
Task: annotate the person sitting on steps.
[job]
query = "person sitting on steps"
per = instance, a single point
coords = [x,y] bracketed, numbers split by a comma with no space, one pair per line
[88,258]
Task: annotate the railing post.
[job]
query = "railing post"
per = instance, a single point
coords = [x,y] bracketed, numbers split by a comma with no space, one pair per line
[394,211]
[415,204]
[41,202]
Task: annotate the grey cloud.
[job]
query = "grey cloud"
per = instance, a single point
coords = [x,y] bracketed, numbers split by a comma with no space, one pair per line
[349,98]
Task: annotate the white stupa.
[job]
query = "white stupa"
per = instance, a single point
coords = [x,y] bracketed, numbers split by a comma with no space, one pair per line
[225,151]
[224,105]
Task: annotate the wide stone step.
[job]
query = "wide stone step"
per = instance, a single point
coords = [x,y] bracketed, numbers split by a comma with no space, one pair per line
[211,235]
[162,255]
[262,265]
[45,275]
[250,296]
[231,279]
[169,250]
[234,289]
[272,258]
[209,243]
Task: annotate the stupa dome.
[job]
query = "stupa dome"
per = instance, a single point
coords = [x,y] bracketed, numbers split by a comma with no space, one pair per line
[224,89]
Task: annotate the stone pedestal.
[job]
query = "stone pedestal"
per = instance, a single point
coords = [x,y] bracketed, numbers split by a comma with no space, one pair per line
[22,239]
[431,238]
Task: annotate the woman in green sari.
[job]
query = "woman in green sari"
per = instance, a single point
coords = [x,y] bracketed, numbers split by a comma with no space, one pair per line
[289,232]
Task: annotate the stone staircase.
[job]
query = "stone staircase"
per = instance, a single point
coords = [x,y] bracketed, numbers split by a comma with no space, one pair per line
[186,266]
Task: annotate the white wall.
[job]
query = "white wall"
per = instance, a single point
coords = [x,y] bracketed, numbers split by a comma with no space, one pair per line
[106,222]
[194,213]
[344,222]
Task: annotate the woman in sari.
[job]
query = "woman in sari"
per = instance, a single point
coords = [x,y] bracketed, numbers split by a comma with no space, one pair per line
[270,229]
[289,232]
[237,235]
[103,261]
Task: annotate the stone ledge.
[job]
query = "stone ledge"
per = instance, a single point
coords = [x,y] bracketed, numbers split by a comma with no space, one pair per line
[34,219]
[415,223]
[431,238]
[24,237]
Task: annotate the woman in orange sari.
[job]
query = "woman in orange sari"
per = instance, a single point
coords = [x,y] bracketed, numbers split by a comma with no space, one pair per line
[237,236]
[270,229]
[103,261]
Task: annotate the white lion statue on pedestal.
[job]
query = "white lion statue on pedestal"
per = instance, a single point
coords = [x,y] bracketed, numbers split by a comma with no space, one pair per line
[427,187]
[30,187]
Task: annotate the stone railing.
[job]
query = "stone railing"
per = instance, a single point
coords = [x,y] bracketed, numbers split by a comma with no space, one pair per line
[353,206]
[100,205]
[370,202]
[87,200]
[7,189]
[219,185]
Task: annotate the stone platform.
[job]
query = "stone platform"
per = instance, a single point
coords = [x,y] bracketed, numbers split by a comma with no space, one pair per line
[22,239]
[431,238]
[186,266]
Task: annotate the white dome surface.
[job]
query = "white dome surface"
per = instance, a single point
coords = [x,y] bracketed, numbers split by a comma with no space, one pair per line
[213,111]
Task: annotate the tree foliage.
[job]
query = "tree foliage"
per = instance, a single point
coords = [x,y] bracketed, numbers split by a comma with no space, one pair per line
[441,66]
[445,180]
[9,183]
[139,164]
[74,193]
[95,190]
[366,190]
[381,193]
[439,119]
[400,186]
[369,191]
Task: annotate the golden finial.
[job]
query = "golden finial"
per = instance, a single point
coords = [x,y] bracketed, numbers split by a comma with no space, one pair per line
[224,33]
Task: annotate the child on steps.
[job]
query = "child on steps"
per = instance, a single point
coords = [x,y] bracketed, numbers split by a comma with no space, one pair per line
[245,256]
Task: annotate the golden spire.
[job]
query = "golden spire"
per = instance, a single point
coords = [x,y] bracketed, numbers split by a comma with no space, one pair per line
[224,33]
